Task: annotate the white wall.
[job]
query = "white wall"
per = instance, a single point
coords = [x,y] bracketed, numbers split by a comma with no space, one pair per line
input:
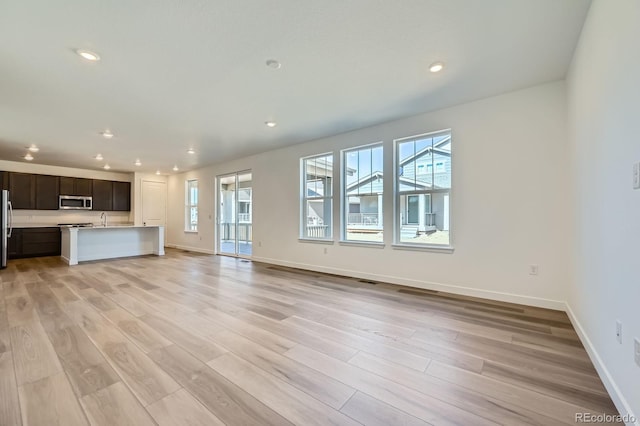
[509,202]
[604,133]
[53,217]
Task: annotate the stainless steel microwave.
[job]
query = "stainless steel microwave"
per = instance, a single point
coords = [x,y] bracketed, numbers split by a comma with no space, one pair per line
[74,202]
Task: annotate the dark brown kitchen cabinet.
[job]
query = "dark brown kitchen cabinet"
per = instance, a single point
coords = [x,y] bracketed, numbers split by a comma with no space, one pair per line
[76,186]
[102,195]
[84,187]
[41,192]
[4,180]
[33,242]
[14,244]
[22,190]
[67,185]
[47,188]
[121,196]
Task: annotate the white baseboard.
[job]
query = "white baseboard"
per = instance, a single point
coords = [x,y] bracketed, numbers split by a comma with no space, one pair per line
[187,248]
[616,396]
[465,291]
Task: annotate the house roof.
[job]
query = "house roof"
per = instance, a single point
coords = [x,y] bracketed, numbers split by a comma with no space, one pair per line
[437,148]
[417,184]
[366,179]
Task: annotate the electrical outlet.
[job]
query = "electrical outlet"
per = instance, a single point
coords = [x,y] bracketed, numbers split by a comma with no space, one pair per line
[533,269]
[636,176]
[636,351]
[619,331]
[326,250]
[259,243]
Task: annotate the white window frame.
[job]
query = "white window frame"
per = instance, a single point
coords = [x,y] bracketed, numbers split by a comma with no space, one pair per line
[304,198]
[189,204]
[344,205]
[397,194]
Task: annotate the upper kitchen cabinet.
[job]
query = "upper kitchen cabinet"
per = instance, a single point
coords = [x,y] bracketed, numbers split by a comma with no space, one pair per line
[47,188]
[4,180]
[121,196]
[41,192]
[84,187]
[22,190]
[76,186]
[102,194]
[67,185]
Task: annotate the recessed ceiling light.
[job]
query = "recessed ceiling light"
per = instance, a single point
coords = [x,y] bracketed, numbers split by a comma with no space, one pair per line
[107,167]
[175,168]
[98,157]
[28,157]
[88,55]
[107,134]
[138,163]
[191,151]
[436,67]
[157,172]
[33,148]
[271,123]
[272,63]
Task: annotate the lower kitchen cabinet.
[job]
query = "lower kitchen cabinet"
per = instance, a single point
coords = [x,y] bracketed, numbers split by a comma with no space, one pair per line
[34,242]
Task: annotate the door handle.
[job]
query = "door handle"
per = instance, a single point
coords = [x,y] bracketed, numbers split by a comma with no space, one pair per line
[10,219]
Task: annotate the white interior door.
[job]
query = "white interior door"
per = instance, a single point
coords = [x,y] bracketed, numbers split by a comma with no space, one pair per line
[154,203]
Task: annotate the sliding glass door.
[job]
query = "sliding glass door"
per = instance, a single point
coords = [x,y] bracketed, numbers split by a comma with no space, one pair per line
[235,214]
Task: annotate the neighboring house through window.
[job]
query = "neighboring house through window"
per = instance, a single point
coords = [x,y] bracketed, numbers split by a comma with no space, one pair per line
[423,186]
[317,197]
[362,186]
[191,211]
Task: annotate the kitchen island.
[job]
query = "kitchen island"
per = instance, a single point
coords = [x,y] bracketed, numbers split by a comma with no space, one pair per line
[109,242]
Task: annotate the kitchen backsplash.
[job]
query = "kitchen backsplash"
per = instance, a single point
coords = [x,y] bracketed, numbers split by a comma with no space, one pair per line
[53,217]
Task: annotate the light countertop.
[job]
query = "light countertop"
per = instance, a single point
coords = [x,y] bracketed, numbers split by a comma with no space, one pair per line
[114,226]
[95,226]
[35,225]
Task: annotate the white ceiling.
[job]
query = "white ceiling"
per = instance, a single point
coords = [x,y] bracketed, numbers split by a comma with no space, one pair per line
[181,73]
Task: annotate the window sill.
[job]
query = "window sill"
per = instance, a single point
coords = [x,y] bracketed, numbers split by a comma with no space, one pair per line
[361,244]
[315,241]
[423,247]
[188,231]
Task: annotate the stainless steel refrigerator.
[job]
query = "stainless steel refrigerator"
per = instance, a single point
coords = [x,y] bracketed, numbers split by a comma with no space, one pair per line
[6,221]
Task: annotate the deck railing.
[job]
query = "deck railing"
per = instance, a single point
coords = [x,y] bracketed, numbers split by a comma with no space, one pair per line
[244,217]
[364,219]
[430,219]
[228,231]
[317,231]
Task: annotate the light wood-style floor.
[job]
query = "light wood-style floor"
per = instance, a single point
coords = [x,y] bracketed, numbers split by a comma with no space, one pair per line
[191,339]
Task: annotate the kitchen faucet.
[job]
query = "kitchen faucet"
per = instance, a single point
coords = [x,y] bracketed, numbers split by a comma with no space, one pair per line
[103,219]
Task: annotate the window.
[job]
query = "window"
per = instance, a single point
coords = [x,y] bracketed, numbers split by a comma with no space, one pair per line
[362,186]
[423,186]
[317,197]
[191,210]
